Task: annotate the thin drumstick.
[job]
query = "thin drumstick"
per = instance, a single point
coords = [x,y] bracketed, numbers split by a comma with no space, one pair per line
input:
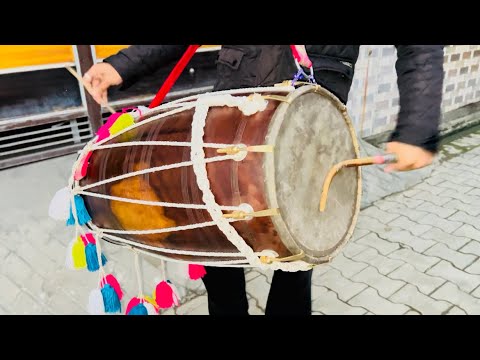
[88,87]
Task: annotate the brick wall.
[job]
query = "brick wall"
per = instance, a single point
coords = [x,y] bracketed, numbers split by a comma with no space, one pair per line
[461,85]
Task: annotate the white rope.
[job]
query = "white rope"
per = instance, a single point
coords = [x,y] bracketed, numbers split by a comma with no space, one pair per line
[223,263]
[139,273]
[185,104]
[155,203]
[286,89]
[248,105]
[198,158]
[101,270]
[159,231]
[154,169]
[163,270]
[146,121]
[160,143]
[180,252]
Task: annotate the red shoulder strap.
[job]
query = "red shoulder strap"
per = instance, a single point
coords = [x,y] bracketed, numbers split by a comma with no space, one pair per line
[172,78]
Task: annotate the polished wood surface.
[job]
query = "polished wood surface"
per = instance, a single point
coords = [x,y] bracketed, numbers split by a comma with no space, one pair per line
[231,182]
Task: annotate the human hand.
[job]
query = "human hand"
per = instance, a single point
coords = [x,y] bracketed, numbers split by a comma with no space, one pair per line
[100,77]
[409,157]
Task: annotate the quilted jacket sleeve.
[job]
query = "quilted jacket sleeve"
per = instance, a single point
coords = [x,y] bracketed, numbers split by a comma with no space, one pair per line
[137,61]
[420,83]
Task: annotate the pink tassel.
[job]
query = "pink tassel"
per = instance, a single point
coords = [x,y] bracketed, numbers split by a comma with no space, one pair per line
[165,295]
[88,238]
[81,170]
[112,281]
[196,271]
[104,132]
[132,303]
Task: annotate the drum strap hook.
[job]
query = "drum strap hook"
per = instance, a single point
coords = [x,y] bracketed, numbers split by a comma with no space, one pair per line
[301,74]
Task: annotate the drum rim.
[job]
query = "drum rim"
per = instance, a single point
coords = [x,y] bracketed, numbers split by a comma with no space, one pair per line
[270,185]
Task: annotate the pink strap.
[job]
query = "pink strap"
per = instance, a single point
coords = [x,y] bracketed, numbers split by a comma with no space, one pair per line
[300,54]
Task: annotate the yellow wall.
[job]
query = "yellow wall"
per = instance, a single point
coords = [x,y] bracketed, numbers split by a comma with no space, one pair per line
[12,56]
[103,51]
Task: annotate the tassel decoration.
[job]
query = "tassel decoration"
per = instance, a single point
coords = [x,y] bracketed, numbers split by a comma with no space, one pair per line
[139,306]
[139,309]
[92,258]
[79,258]
[82,214]
[113,282]
[151,301]
[104,132]
[59,208]
[166,295]
[115,123]
[122,122]
[151,310]
[196,271]
[96,304]
[136,306]
[111,300]
[81,170]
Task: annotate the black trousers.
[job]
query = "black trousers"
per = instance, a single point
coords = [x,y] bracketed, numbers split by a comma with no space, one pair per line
[290,293]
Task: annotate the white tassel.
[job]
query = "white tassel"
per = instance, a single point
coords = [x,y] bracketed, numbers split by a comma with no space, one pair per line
[59,208]
[95,303]
[150,308]
[69,258]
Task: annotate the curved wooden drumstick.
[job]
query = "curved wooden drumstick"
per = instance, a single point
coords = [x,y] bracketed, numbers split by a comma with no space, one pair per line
[375,160]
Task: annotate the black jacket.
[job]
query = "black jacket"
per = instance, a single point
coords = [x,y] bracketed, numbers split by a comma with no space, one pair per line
[419,70]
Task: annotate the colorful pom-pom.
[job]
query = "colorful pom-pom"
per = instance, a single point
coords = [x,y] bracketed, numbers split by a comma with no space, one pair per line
[111,300]
[96,304]
[59,208]
[104,132]
[78,254]
[113,282]
[122,122]
[139,309]
[92,258]
[139,306]
[81,170]
[166,295]
[196,271]
[150,308]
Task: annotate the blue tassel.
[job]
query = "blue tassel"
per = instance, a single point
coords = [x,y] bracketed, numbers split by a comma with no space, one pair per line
[82,213]
[140,309]
[111,300]
[92,257]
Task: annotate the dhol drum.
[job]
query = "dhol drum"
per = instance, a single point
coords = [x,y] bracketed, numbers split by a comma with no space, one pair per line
[229,178]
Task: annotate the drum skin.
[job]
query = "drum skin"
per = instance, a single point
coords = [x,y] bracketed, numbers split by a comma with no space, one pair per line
[231,182]
[310,133]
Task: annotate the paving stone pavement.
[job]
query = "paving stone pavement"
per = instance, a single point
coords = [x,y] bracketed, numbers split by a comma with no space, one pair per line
[413,252]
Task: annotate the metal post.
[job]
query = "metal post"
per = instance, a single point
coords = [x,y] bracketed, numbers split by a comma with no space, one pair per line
[85,58]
